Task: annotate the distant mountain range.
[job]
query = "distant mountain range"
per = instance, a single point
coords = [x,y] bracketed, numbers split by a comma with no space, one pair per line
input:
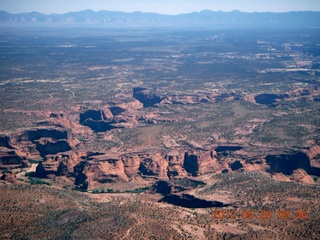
[206,18]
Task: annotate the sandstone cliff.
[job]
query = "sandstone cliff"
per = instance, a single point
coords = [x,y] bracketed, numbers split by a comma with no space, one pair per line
[59,165]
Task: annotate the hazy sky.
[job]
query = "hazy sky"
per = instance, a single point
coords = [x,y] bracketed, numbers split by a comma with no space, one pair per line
[159,6]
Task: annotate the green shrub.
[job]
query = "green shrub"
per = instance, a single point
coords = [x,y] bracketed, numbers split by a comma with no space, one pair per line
[38,181]
[30,174]
[35,160]
[138,190]
[80,189]
[80,138]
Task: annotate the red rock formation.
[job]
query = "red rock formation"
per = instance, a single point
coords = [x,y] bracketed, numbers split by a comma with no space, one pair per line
[11,159]
[59,165]
[47,167]
[281,177]
[47,146]
[165,187]
[201,162]
[104,168]
[287,163]
[249,98]
[314,152]
[208,163]
[109,170]
[67,124]
[154,165]
[35,134]
[147,97]
[9,177]
[98,170]
[301,175]
[5,142]
[175,159]
[307,94]
[131,104]
[131,163]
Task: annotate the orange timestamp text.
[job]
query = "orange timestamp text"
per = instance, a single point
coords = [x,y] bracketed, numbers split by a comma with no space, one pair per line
[263,214]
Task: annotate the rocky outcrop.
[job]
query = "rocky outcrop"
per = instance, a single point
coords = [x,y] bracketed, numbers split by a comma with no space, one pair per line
[130,104]
[104,168]
[71,125]
[46,168]
[97,115]
[281,177]
[287,163]
[269,98]
[208,162]
[38,143]
[308,94]
[47,146]
[97,120]
[5,142]
[56,115]
[81,180]
[145,165]
[98,168]
[131,164]
[110,170]
[223,151]
[175,160]
[11,159]
[146,97]
[58,165]
[314,152]
[175,185]
[116,110]
[33,135]
[202,162]
[93,173]
[223,97]
[34,144]
[191,163]
[165,187]
[154,165]
[9,177]
[301,176]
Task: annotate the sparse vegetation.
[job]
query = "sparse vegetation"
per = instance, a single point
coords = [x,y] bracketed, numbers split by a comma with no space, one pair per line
[138,190]
[30,174]
[35,161]
[100,68]
[38,181]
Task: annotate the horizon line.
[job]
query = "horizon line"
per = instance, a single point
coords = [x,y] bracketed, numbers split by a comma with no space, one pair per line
[208,10]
